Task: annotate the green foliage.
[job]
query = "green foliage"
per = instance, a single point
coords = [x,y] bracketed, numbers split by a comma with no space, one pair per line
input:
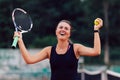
[43,42]
[47,13]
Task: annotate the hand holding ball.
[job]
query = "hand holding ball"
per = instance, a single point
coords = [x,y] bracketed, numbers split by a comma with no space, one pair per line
[98,23]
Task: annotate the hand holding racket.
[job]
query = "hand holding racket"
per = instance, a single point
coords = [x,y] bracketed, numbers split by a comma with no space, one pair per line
[22,22]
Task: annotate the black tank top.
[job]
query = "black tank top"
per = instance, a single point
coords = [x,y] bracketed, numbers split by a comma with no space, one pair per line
[63,66]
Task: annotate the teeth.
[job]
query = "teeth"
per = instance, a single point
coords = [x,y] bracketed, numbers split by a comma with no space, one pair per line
[62,33]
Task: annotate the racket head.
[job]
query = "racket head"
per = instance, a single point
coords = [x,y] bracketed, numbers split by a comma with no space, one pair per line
[22,22]
[21,19]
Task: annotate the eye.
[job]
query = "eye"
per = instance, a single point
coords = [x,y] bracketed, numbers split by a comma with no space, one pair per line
[66,28]
[60,27]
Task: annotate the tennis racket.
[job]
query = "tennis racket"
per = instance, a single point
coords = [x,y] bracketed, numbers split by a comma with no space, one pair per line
[22,22]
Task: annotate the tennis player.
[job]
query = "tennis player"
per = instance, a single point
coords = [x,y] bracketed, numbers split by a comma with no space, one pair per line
[64,55]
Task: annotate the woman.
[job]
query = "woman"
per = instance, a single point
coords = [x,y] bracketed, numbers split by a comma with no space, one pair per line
[64,56]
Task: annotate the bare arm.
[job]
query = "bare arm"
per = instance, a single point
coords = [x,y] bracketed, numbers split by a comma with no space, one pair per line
[30,59]
[87,51]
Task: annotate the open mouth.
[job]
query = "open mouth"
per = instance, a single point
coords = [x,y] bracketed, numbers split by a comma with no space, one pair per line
[62,33]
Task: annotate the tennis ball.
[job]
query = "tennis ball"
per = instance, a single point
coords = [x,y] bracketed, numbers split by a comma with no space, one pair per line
[96,22]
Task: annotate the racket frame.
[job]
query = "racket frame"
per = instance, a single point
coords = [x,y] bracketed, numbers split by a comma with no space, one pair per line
[17,27]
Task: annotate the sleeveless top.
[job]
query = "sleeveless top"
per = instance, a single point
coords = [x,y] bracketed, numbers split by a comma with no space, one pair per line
[63,66]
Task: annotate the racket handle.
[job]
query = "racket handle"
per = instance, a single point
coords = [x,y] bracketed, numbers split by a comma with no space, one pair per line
[15,42]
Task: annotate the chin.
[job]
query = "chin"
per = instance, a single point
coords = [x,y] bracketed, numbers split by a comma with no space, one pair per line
[62,39]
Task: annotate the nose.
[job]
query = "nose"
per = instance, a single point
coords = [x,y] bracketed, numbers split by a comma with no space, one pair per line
[63,28]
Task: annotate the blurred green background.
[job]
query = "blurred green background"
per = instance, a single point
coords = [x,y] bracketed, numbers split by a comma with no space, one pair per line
[47,13]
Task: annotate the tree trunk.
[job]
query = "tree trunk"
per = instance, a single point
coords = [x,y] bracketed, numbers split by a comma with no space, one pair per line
[106,24]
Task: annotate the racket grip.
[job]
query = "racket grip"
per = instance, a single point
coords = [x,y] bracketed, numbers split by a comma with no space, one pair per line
[15,42]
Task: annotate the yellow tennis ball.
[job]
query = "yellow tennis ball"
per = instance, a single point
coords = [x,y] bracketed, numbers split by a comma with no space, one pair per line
[96,22]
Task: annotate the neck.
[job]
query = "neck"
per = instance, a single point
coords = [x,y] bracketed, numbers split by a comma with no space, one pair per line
[62,44]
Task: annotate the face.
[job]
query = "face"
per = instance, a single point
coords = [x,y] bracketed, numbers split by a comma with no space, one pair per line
[63,31]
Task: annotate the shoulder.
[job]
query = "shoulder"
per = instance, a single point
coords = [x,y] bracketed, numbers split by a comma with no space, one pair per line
[77,45]
[48,49]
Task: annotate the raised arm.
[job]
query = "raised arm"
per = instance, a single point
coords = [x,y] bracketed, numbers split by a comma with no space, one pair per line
[82,50]
[30,59]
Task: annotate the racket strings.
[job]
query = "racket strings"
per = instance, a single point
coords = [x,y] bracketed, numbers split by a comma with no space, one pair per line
[22,20]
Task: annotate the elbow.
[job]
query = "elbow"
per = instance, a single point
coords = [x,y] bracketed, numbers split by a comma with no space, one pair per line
[28,62]
[98,52]
[28,59]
